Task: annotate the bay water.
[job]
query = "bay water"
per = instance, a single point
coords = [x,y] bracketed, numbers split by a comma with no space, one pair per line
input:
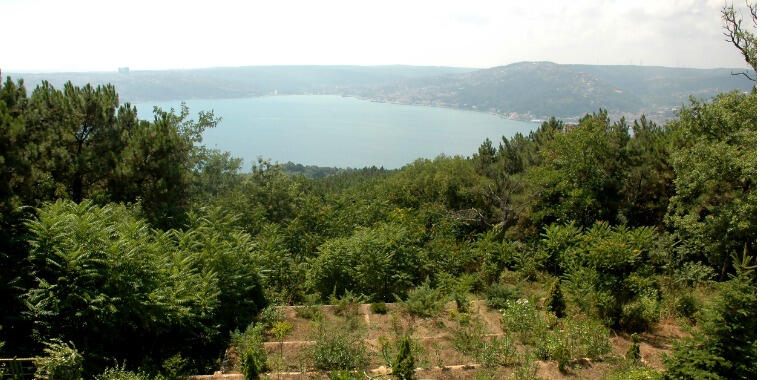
[337,131]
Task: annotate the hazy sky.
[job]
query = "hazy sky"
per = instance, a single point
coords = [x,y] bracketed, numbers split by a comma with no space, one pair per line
[81,35]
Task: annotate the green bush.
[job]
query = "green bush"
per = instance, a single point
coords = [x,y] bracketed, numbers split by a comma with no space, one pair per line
[556,302]
[379,308]
[310,309]
[404,363]
[348,303]
[527,368]
[251,365]
[61,361]
[336,348]
[575,340]
[498,294]
[120,373]
[687,306]
[499,351]
[640,314]
[175,366]
[636,372]
[422,301]
[521,319]
[725,344]
[269,315]
[468,337]
[346,375]
[250,346]
[633,354]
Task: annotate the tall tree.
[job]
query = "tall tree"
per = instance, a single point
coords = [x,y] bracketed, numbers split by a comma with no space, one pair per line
[742,38]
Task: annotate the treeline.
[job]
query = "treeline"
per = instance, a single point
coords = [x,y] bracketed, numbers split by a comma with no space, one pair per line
[128,241]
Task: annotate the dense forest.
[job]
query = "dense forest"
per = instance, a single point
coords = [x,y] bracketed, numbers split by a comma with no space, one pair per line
[128,250]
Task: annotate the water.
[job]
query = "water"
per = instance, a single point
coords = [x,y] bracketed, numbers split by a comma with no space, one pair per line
[342,132]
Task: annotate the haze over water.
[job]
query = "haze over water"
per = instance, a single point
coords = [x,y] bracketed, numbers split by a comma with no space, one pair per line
[336,131]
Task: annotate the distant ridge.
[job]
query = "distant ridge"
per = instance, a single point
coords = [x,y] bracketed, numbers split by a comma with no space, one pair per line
[538,90]
[521,90]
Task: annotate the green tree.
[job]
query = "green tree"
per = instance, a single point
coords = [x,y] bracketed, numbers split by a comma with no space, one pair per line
[582,173]
[725,345]
[745,40]
[404,363]
[713,210]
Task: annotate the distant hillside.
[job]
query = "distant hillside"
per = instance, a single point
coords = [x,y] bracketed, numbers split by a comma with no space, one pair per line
[523,90]
[238,82]
[538,90]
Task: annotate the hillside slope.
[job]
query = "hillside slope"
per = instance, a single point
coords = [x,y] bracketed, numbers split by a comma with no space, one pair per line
[528,90]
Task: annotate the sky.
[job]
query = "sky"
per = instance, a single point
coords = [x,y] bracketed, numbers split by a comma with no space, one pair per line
[84,35]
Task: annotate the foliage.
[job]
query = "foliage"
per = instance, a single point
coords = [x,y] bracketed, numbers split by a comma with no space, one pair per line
[163,248]
[498,295]
[250,344]
[725,344]
[687,306]
[120,373]
[310,309]
[379,262]
[555,302]
[498,351]
[251,365]
[404,363]
[175,367]
[338,349]
[608,269]
[378,307]
[636,372]
[348,303]
[715,203]
[467,338]
[633,354]
[422,301]
[105,268]
[527,368]
[523,320]
[62,361]
[578,338]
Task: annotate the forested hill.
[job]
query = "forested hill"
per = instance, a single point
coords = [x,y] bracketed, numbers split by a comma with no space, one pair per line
[524,90]
[529,90]
[237,82]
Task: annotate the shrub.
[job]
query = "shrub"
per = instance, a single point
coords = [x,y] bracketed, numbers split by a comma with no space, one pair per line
[62,361]
[636,372]
[379,308]
[556,302]
[120,373]
[310,309]
[346,375]
[497,295]
[175,366]
[527,368]
[422,301]
[634,351]
[686,306]
[578,339]
[725,344]
[499,351]
[523,320]
[252,365]
[468,337]
[348,303]
[588,338]
[404,364]
[250,345]
[269,315]
[337,349]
